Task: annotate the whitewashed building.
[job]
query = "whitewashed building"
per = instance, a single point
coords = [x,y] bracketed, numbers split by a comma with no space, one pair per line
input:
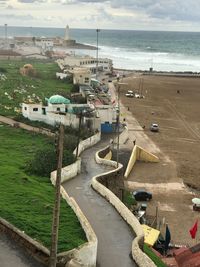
[104,64]
[60,110]
[44,43]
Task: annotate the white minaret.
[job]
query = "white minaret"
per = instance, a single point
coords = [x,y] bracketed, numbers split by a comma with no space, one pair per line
[67,33]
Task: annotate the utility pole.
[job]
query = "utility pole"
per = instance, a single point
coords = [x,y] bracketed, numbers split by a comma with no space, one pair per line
[79,129]
[97,54]
[118,116]
[118,119]
[56,212]
[6,36]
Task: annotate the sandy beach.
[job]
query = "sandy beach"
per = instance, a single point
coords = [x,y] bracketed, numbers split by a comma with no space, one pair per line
[173,103]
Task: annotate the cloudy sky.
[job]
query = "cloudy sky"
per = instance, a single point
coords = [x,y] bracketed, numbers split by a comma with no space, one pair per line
[178,15]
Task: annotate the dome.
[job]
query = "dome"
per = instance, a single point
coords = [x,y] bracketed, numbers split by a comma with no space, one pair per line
[58,99]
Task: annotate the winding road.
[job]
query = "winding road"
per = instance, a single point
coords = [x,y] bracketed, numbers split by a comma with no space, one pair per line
[113,234]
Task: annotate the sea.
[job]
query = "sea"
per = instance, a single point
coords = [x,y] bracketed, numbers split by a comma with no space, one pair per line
[130,49]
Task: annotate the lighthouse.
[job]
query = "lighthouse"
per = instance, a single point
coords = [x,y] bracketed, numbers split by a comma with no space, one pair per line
[67,41]
[67,33]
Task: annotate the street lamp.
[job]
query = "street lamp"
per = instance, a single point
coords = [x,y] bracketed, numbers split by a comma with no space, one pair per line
[97,53]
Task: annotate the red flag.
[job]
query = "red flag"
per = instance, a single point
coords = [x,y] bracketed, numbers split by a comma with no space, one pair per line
[193,230]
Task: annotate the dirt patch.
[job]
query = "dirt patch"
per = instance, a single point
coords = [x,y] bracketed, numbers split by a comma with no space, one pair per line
[173,103]
[177,115]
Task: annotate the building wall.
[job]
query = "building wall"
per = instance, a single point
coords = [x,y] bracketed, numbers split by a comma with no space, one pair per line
[106,113]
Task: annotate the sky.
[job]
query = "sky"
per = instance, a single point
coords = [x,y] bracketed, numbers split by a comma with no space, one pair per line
[171,15]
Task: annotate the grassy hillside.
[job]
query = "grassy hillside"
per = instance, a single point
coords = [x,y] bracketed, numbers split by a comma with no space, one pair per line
[27,201]
[15,88]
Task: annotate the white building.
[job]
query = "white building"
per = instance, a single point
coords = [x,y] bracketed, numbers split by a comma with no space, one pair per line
[81,76]
[59,111]
[44,43]
[104,64]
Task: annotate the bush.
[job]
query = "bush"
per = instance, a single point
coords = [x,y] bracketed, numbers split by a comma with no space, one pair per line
[3,70]
[129,200]
[45,161]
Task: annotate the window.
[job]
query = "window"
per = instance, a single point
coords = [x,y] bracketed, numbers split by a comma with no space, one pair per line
[35,109]
[25,108]
[58,109]
[86,79]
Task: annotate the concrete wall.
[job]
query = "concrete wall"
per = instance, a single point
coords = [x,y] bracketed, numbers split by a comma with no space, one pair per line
[138,153]
[83,145]
[32,247]
[124,136]
[140,258]
[86,254]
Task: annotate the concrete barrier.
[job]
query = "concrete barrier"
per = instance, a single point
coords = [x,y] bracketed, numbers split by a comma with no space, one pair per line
[137,245]
[86,254]
[138,153]
[32,247]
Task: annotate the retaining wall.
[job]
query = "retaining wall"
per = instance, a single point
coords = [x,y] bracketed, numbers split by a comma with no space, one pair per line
[138,153]
[32,247]
[138,255]
[84,255]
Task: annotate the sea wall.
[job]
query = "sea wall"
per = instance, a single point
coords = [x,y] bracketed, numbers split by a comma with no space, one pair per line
[137,245]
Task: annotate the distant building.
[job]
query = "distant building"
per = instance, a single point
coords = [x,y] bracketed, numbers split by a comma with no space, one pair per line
[44,43]
[81,76]
[71,61]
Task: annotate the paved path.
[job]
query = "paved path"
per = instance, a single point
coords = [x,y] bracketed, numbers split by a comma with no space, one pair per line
[114,235]
[25,126]
[12,255]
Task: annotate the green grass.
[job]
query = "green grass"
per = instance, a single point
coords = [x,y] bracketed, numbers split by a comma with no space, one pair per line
[27,201]
[154,257]
[43,85]
[128,199]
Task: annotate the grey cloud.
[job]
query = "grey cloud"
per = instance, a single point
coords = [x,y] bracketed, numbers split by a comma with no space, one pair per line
[172,9]
[31,1]
[17,17]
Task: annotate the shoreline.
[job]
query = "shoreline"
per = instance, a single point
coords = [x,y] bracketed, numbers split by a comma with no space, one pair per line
[159,73]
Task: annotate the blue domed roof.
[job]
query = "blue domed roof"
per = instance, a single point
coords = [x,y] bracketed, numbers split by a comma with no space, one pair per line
[58,99]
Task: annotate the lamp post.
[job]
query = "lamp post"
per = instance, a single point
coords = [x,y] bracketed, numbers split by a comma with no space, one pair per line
[97,53]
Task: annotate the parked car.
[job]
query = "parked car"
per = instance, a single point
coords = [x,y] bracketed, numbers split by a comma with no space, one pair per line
[154,127]
[142,195]
[129,95]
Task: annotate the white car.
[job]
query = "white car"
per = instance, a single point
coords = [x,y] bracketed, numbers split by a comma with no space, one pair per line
[154,127]
[129,95]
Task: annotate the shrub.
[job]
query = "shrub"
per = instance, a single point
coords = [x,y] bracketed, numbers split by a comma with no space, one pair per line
[128,199]
[45,161]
